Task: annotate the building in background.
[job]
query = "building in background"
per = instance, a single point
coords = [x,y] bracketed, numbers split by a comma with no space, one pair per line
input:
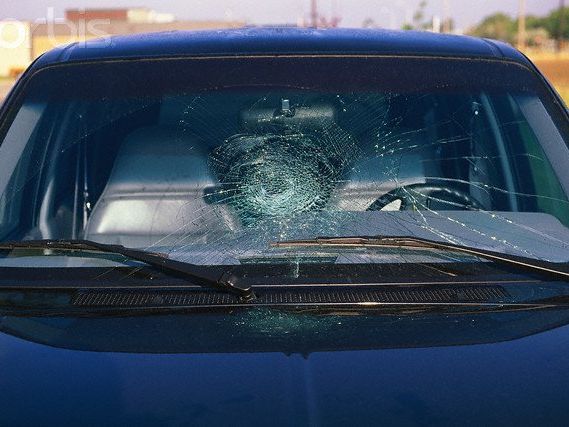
[136,15]
[22,42]
[15,47]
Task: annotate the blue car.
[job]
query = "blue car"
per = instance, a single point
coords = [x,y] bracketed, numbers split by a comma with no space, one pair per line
[280,226]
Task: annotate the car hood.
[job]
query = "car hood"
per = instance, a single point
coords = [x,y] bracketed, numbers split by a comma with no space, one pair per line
[287,369]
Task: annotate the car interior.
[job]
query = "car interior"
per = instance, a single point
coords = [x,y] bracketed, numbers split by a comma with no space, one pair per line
[199,166]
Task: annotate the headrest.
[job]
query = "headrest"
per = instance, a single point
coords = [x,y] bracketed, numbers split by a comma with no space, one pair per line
[159,159]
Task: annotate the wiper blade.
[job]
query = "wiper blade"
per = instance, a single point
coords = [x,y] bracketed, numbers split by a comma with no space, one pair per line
[550,269]
[225,283]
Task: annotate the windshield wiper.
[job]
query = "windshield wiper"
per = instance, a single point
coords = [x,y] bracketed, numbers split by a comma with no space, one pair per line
[226,282]
[550,269]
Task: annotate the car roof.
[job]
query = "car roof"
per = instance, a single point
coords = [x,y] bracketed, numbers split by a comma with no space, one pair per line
[280,41]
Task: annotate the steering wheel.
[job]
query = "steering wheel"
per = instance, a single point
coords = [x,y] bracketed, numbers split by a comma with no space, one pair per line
[420,195]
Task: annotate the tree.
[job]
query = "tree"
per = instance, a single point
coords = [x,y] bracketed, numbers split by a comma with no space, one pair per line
[536,33]
[419,22]
[498,26]
[534,22]
[552,23]
[539,29]
[419,15]
[369,23]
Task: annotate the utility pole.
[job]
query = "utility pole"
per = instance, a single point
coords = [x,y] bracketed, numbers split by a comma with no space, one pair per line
[561,25]
[314,13]
[522,25]
[446,16]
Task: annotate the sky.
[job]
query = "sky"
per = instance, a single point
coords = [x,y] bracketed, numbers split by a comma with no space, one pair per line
[386,13]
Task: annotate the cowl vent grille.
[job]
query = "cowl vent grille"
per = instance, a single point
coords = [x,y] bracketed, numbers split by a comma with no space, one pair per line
[191,298]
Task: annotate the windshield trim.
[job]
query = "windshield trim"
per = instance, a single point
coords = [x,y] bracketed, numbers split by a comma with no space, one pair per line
[33,73]
[18,92]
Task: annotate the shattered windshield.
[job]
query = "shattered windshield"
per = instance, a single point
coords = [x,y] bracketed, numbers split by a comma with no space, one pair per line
[213,160]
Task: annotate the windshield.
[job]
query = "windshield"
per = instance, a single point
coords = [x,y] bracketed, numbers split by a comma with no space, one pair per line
[213,160]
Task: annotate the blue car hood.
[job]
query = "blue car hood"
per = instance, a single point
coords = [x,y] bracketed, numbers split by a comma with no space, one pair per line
[280,369]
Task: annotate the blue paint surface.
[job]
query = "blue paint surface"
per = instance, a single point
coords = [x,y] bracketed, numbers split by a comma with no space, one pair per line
[520,381]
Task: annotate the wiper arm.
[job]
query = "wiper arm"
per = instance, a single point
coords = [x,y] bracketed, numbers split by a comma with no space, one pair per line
[226,282]
[558,271]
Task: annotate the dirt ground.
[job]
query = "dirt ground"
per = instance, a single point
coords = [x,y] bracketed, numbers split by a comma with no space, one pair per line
[557,71]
